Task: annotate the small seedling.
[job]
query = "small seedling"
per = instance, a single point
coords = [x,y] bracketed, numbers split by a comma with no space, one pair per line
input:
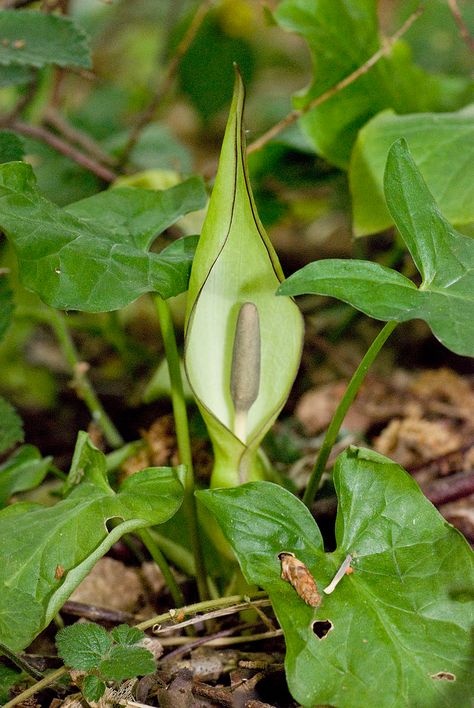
[99,657]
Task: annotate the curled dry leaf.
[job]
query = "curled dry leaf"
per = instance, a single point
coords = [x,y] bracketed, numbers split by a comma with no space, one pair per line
[298,575]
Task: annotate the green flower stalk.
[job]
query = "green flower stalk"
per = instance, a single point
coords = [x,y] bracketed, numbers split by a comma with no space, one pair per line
[243,344]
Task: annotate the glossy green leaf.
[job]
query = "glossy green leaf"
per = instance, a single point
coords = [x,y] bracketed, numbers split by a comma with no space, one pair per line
[11,426]
[342,36]
[23,470]
[32,38]
[71,535]
[442,145]
[11,146]
[93,255]
[444,257]
[235,263]
[396,632]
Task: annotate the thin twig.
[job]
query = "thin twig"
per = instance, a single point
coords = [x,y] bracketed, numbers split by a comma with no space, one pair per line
[197,607]
[147,115]
[73,135]
[295,114]
[21,662]
[39,133]
[24,100]
[222,642]
[222,612]
[458,18]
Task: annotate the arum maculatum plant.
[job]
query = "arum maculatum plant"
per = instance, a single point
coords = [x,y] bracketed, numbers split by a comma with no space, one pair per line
[242,343]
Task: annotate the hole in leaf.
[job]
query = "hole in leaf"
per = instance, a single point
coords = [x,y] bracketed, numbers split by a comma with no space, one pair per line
[111,523]
[444,676]
[322,627]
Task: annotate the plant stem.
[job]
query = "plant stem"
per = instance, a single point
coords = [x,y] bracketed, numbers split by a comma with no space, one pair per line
[117,457]
[202,607]
[182,435]
[47,681]
[21,663]
[349,395]
[162,563]
[84,387]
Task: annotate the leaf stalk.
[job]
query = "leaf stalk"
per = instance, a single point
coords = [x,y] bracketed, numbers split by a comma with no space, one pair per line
[344,405]
[183,439]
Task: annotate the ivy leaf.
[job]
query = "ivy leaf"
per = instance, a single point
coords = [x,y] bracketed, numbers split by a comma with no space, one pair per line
[93,688]
[400,621]
[125,662]
[444,257]
[11,146]
[93,256]
[436,140]
[47,551]
[11,426]
[32,38]
[23,470]
[342,36]
[82,645]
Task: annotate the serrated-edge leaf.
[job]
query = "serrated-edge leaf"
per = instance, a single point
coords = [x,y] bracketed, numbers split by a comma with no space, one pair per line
[126,635]
[93,688]
[32,38]
[125,662]
[82,645]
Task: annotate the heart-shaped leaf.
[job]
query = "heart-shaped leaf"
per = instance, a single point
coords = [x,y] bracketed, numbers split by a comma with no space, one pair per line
[444,257]
[47,551]
[394,632]
[342,36]
[236,270]
[23,470]
[93,255]
[435,140]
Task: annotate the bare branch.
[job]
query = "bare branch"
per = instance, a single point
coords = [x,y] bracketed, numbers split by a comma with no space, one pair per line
[458,18]
[147,115]
[53,118]
[294,115]
[39,133]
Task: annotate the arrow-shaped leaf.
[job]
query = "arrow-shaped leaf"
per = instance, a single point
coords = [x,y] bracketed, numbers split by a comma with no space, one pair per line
[47,551]
[93,255]
[396,632]
[444,257]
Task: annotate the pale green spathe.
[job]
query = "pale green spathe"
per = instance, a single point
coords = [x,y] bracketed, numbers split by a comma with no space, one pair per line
[236,263]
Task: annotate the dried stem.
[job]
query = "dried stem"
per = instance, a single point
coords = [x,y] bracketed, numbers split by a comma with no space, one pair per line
[73,135]
[458,18]
[147,115]
[294,115]
[39,133]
